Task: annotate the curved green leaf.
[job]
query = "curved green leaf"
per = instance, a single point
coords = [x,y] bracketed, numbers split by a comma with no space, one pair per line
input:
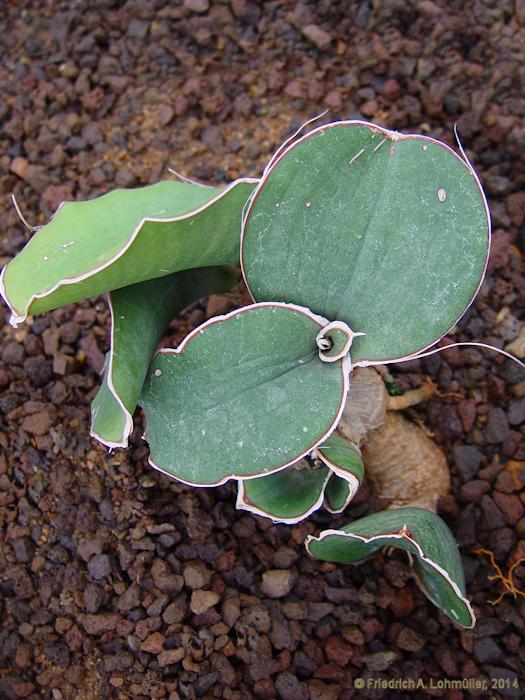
[139,315]
[386,232]
[288,496]
[235,399]
[124,237]
[337,494]
[421,533]
[343,458]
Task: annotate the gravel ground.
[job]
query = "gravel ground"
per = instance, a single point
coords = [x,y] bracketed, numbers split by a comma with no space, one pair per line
[114,582]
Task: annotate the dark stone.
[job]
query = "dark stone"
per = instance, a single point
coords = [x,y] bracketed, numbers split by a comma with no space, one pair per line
[99,566]
[289,688]
[497,429]
[24,549]
[486,650]
[467,459]
[58,654]
[516,414]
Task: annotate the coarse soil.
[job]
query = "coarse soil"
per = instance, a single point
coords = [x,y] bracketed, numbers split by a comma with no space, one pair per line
[114,581]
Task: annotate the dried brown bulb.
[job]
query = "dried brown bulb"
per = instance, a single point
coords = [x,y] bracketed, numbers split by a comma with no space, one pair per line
[404,466]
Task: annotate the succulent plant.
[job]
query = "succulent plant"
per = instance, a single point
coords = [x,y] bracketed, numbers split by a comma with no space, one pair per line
[359,246]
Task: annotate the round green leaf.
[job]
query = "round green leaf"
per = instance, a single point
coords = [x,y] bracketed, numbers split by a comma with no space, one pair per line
[244,394]
[421,533]
[386,232]
[287,496]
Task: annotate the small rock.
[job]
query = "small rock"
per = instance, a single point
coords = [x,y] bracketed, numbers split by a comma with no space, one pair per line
[322,691]
[205,682]
[13,353]
[197,6]
[277,583]
[473,491]
[58,654]
[497,429]
[98,624]
[153,644]
[166,114]
[517,347]
[202,601]
[38,423]
[99,566]
[510,505]
[196,575]
[19,166]
[487,651]
[129,599]
[338,651]
[379,661]
[38,370]
[138,28]
[410,640]
[170,656]
[165,580]
[516,414]
[289,688]
[93,597]
[176,611]
[24,549]
[468,460]
[317,36]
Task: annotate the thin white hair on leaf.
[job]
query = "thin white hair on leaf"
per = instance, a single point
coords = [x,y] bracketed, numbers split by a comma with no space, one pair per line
[22,217]
[291,138]
[187,180]
[472,343]
[461,149]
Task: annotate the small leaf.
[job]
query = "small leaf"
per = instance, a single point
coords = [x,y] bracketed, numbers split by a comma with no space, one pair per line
[436,559]
[338,494]
[244,394]
[124,237]
[343,458]
[139,315]
[386,232]
[288,496]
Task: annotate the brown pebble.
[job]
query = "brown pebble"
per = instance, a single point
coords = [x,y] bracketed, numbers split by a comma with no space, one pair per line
[154,643]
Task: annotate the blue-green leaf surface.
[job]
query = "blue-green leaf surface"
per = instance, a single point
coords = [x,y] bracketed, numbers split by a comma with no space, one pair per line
[421,533]
[386,232]
[244,394]
[287,496]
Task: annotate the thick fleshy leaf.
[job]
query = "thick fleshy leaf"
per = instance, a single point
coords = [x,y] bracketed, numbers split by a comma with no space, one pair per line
[386,232]
[244,394]
[436,559]
[124,237]
[337,494]
[287,496]
[139,315]
[343,458]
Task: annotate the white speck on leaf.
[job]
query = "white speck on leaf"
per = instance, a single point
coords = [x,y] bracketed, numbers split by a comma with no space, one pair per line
[424,147]
[240,444]
[277,204]
[305,429]
[46,258]
[442,194]
[308,205]
[157,372]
